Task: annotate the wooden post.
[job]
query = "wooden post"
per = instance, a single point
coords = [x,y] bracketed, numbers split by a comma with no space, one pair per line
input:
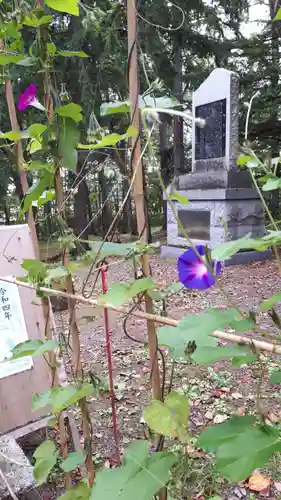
[139,196]
[46,305]
[74,331]
[20,160]
[104,271]
[138,186]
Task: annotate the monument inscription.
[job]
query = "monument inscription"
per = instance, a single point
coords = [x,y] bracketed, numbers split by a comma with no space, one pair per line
[196,223]
[210,140]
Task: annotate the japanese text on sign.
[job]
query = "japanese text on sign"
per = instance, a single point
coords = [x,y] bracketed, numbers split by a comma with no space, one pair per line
[12,330]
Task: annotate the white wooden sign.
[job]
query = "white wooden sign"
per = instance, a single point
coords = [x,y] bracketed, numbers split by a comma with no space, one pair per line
[20,319]
[12,330]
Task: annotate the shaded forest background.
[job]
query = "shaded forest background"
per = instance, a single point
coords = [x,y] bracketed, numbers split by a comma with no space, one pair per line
[179,45]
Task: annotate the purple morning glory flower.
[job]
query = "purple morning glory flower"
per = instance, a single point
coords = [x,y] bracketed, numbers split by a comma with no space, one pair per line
[28,98]
[193,272]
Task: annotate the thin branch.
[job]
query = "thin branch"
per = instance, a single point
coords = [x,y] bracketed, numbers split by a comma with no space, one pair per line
[228,337]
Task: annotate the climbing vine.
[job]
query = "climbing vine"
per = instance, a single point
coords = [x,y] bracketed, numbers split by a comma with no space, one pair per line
[241,444]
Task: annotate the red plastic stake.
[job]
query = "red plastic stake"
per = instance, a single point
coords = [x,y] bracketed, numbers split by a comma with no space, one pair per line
[104,271]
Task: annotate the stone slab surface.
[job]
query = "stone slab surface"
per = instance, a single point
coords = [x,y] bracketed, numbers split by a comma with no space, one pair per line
[220,85]
[16,469]
[248,257]
[210,179]
[218,194]
[170,252]
[229,219]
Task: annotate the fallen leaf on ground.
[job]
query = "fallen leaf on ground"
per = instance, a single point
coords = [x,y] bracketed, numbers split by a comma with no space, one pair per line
[209,415]
[220,480]
[219,419]
[236,395]
[272,418]
[240,492]
[217,394]
[193,453]
[241,411]
[146,370]
[277,485]
[198,421]
[259,483]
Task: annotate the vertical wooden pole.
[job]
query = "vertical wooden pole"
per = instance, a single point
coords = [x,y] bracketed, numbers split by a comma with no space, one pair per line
[47,311]
[74,331]
[20,160]
[139,185]
[104,272]
[139,195]
[75,336]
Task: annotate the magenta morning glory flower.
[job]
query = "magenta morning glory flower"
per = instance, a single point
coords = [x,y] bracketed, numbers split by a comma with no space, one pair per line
[28,98]
[193,272]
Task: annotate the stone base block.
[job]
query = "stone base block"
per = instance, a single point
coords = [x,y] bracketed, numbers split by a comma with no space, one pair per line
[17,471]
[172,252]
[212,220]
[248,257]
[218,194]
[214,179]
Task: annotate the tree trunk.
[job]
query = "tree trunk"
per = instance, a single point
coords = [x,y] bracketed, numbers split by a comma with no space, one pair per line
[17,182]
[274,6]
[89,208]
[6,213]
[128,223]
[178,122]
[48,218]
[146,207]
[80,222]
[106,215]
[164,146]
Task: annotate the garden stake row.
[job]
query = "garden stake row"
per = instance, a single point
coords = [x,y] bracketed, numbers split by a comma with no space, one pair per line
[104,276]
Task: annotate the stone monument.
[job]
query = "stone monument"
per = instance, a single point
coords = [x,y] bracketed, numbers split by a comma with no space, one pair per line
[222,205]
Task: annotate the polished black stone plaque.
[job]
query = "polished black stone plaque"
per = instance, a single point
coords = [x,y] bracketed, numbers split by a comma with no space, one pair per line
[210,139]
[196,223]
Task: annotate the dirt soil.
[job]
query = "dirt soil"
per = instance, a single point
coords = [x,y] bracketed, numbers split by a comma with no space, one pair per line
[214,393]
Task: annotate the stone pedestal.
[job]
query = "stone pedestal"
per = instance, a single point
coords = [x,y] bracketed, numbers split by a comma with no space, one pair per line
[214,216]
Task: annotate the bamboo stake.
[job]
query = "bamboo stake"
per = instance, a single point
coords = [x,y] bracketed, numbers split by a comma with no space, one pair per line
[104,272]
[47,311]
[139,197]
[19,158]
[76,349]
[138,188]
[161,320]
